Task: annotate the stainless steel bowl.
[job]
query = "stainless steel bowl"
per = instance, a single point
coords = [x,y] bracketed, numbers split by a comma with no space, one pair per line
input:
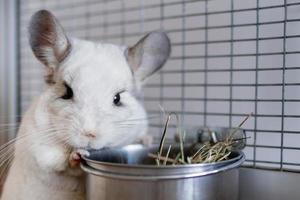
[129,174]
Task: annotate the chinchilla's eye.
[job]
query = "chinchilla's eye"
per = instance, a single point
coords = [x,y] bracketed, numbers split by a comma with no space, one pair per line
[68,93]
[117,99]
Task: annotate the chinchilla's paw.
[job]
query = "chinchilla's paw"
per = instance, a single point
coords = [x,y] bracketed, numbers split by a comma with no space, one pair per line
[74,162]
[75,157]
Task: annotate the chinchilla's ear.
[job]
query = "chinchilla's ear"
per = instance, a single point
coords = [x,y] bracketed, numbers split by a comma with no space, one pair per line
[48,41]
[149,54]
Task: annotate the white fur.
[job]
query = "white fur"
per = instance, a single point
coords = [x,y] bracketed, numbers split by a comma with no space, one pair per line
[95,72]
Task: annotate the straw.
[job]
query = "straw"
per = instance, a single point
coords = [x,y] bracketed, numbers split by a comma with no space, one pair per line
[207,153]
[162,141]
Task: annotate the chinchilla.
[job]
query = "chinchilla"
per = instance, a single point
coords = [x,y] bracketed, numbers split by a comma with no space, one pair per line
[90,101]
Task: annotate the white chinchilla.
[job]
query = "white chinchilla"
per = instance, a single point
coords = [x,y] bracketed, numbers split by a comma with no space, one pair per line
[90,102]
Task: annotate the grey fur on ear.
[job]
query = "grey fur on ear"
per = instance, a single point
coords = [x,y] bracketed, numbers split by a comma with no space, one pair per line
[149,54]
[48,41]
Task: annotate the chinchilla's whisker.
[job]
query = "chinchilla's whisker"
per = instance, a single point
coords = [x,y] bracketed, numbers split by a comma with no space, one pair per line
[6,157]
[139,119]
[124,128]
[64,142]
[59,119]
[60,139]
[127,124]
[42,133]
[52,117]
[12,141]
[74,123]
[6,154]
[5,167]
[54,138]
[5,149]
[72,119]
[47,139]
[6,161]
[48,135]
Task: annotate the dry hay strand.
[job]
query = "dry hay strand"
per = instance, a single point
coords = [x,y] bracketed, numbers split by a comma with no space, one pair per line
[207,152]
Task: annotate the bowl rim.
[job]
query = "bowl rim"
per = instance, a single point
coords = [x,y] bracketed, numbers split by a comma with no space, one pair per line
[154,177]
[89,161]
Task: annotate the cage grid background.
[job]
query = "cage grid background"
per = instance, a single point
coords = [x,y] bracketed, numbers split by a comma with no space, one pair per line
[229,58]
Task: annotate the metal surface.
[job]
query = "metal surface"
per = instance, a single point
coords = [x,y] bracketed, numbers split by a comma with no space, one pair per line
[128,170]
[199,188]
[8,69]
[261,184]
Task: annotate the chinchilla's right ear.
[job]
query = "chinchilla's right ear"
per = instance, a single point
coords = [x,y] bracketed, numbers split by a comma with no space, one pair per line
[149,54]
[48,42]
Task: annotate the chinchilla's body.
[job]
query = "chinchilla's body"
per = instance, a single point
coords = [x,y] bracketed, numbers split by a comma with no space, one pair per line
[90,102]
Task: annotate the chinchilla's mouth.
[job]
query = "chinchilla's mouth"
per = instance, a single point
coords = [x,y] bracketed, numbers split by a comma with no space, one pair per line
[97,149]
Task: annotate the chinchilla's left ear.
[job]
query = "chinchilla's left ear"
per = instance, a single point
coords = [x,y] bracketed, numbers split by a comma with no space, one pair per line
[48,41]
[149,54]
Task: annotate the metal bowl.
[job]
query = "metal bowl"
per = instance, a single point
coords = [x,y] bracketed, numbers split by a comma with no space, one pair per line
[128,173]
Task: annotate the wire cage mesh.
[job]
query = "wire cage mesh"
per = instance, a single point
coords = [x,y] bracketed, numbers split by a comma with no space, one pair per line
[229,58]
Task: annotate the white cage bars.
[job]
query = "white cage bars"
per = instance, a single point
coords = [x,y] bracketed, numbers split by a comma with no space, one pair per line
[229,58]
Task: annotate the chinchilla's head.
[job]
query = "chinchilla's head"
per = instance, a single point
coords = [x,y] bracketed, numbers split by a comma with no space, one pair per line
[91,98]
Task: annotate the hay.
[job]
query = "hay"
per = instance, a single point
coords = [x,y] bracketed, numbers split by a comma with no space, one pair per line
[206,153]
